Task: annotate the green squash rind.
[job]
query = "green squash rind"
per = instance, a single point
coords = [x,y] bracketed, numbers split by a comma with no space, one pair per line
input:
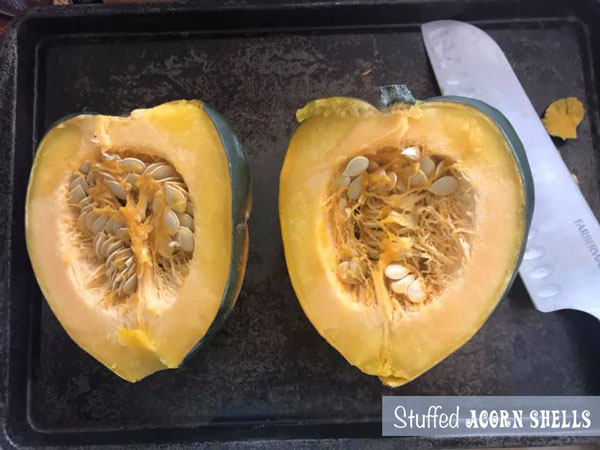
[241,204]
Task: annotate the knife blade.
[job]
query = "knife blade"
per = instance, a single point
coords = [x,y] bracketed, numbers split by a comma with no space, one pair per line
[561,264]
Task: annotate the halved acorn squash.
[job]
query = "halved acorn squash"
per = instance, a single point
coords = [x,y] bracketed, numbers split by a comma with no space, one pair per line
[136,230]
[402,227]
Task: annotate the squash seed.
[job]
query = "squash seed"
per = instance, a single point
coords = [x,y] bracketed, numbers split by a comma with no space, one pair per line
[401,286]
[416,291]
[396,271]
[378,179]
[427,166]
[344,272]
[412,153]
[132,179]
[171,221]
[99,240]
[112,248]
[109,156]
[185,239]
[107,243]
[116,188]
[441,168]
[116,255]
[342,181]
[185,220]
[123,235]
[86,208]
[175,181]
[90,218]
[129,261]
[356,166]
[123,256]
[418,179]
[393,178]
[132,165]
[108,225]
[357,268]
[99,224]
[116,225]
[80,181]
[115,247]
[81,223]
[77,194]
[159,171]
[355,188]
[130,270]
[444,186]
[175,198]
[104,174]
[130,285]
[86,201]
[85,168]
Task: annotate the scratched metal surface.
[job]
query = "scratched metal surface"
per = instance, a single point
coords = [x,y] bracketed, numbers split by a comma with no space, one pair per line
[268,365]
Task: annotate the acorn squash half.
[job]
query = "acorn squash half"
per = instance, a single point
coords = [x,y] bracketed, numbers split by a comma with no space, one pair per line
[136,230]
[402,227]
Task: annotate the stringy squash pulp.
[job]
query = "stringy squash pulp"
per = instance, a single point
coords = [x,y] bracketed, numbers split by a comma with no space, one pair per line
[402,228]
[131,230]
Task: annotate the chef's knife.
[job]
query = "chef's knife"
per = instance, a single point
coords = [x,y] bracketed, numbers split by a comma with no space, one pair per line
[561,264]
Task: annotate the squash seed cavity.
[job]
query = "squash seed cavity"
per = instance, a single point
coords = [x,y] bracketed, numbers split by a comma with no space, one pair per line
[134,220]
[401,219]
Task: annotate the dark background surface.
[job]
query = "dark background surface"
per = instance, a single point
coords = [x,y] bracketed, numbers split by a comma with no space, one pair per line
[267,373]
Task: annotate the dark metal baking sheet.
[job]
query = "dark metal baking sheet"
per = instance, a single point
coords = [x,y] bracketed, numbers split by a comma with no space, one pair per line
[267,377]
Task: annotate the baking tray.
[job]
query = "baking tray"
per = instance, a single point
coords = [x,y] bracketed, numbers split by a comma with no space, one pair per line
[267,378]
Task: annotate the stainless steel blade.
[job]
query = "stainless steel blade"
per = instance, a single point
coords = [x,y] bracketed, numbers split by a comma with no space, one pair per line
[561,266]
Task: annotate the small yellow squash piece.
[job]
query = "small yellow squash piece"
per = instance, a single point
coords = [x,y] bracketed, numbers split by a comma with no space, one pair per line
[563,116]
